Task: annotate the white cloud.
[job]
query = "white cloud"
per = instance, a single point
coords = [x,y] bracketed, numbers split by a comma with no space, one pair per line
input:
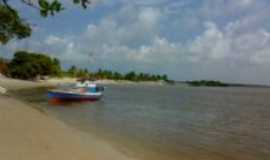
[149,17]
[52,39]
[212,44]
[215,44]
[245,3]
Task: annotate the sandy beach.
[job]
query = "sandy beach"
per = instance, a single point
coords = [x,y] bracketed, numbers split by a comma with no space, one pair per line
[27,134]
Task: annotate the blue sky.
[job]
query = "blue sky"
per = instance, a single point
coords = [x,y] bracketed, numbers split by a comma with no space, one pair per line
[225,40]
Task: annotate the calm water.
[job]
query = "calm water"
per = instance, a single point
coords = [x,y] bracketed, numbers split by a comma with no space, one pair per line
[175,122]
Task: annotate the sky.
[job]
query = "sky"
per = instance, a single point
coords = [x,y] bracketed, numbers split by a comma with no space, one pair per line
[226,40]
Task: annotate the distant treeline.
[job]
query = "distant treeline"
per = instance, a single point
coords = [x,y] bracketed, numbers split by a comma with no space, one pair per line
[30,65]
[209,83]
[73,71]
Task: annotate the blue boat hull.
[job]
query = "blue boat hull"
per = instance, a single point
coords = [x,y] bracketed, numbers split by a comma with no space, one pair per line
[72,97]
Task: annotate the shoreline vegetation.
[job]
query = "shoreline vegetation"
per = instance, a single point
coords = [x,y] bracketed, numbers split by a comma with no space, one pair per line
[213,83]
[207,83]
[36,66]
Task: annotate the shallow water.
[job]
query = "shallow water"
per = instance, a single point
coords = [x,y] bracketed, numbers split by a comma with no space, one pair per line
[176,122]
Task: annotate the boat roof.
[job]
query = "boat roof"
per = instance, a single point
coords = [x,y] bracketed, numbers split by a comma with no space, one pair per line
[85,84]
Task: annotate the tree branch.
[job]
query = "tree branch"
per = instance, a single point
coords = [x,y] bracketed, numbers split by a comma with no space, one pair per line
[5,2]
[31,4]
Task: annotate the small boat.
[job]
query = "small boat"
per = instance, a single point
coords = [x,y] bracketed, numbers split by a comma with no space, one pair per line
[81,91]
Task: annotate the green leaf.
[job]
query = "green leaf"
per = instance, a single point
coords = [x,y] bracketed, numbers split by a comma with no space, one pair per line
[43,4]
[76,1]
[56,6]
[44,13]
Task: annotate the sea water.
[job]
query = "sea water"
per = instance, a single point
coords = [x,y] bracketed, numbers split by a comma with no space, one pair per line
[153,122]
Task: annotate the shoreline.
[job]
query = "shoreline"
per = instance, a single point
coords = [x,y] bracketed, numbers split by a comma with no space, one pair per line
[28,134]
[55,81]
